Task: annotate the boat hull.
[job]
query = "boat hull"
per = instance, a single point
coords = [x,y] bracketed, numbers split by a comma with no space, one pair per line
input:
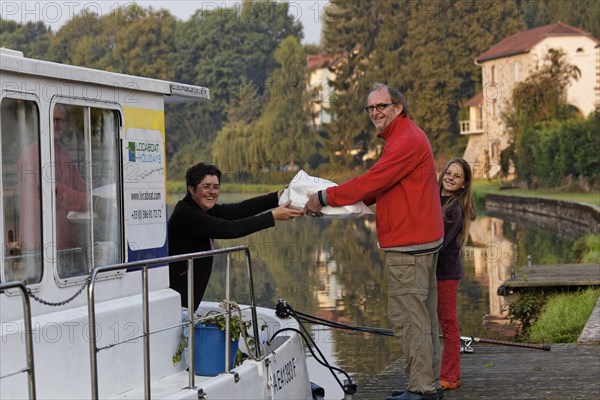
[62,362]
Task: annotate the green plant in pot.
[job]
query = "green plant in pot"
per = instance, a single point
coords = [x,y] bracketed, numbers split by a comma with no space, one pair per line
[218,319]
[210,343]
[205,332]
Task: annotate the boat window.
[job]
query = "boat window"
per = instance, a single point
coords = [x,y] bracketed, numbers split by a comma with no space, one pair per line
[87,165]
[21,192]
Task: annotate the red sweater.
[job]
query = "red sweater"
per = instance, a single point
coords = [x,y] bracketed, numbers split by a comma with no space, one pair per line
[403,184]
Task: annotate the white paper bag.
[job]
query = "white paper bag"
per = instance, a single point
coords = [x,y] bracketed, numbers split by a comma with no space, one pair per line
[303,184]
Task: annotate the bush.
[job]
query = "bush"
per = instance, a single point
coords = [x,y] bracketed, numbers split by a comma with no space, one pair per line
[587,249]
[479,200]
[526,309]
[550,151]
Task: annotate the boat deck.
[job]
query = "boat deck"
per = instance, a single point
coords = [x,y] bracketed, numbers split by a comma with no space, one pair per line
[568,371]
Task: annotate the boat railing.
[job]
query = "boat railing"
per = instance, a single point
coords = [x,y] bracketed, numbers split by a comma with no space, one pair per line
[145,264]
[29,369]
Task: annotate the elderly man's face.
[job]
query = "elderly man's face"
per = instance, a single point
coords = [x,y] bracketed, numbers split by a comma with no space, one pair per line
[381,119]
[60,121]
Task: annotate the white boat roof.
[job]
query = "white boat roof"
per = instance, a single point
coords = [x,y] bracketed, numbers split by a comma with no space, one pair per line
[12,60]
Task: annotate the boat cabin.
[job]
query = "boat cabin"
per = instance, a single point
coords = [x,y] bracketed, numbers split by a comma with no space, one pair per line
[85,305]
[83,186]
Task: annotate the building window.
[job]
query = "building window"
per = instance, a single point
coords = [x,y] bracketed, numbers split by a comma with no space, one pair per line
[495,151]
[517,71]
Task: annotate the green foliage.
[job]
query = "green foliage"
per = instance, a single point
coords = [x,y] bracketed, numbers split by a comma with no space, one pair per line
[236,326]
[87,41]
[228,50]
[543,247]
[479,200]
[556,149]
[146,45]
[351,29]
[424,48]
[526,309]
[563,317]
[410,46]
[183,344]
[32,38]
[282,129]
[562,193]
[525,141]
[584,14]
[456,34]
[215,319]
[274,132]
[587,249]
[506,156]
[547,136]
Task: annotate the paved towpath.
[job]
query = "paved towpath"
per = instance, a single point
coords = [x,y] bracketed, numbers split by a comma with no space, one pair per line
[568,371]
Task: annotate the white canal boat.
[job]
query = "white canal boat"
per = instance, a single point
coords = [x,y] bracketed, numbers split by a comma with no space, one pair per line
[95,255]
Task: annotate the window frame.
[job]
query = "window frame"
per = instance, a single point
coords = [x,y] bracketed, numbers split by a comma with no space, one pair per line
[87,105]
[33,98]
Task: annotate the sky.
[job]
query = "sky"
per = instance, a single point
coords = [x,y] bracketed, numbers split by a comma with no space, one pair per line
[57,13]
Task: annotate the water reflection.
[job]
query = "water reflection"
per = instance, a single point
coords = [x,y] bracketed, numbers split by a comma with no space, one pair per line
[332,268]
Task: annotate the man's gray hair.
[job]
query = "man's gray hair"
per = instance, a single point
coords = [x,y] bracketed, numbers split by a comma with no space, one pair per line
[396,95]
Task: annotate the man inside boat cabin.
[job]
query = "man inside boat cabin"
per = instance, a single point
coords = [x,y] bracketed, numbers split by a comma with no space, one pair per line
[197,220]
[69,186]
[410,231]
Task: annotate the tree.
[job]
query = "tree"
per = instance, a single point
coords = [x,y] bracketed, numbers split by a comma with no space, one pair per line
[283,128]
[583,14]
[280,135]
[543,95]
[438,72]
[350,30]
[221,49]
[85,41]
[540,99]
[424,48]
[234,145]
[146,45]
[32,38]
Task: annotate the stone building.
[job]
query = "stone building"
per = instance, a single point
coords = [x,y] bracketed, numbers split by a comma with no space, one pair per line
[510,62]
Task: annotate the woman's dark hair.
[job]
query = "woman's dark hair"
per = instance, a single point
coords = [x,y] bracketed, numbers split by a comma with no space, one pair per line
[196,173]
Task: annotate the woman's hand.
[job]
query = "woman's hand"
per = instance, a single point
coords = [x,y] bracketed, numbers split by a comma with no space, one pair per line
[283,213]
[281,192]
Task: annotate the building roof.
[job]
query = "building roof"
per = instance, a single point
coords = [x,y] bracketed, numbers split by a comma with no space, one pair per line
[523,42]
[476,100]
[318,61]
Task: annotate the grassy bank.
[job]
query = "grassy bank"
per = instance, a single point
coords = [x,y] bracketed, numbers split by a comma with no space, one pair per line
[482,188]
[563,317]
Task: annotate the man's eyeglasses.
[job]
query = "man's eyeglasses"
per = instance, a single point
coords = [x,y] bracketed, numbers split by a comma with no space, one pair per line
[378,107]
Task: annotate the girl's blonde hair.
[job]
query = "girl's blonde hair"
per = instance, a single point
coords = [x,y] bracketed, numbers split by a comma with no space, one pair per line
[463,197]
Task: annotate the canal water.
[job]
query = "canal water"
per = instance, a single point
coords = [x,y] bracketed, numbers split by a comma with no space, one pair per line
[331,268]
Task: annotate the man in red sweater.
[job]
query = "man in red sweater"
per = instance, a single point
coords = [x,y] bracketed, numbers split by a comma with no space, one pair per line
[410,231]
